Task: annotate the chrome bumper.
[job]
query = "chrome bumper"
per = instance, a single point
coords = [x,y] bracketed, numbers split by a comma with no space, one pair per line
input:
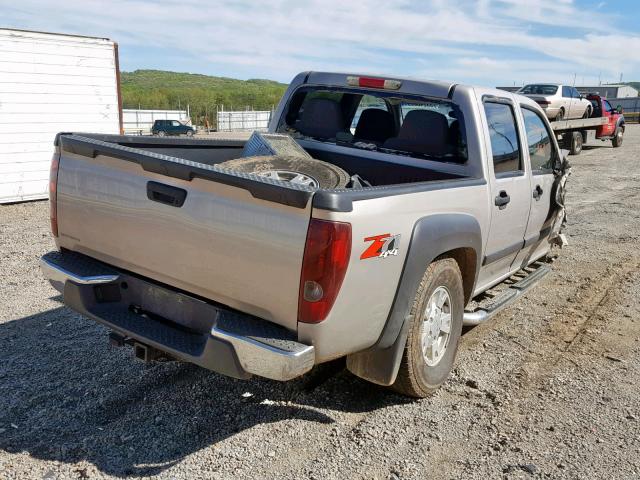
[231,343]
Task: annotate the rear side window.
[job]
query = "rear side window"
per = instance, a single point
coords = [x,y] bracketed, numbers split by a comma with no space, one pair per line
[538,142]
[566,92]
[505,145]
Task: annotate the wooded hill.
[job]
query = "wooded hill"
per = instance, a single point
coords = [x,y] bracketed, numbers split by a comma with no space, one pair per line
[157,89]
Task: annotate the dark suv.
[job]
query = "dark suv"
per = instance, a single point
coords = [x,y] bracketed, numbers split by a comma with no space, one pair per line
[171,127]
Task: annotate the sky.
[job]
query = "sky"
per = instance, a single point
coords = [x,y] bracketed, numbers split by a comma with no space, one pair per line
[483,42]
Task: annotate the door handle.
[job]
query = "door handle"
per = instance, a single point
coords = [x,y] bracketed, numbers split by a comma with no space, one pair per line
[537,193]
[161,193]
[502,199]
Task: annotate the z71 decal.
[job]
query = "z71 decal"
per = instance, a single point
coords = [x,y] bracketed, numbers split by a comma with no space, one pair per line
[381,246]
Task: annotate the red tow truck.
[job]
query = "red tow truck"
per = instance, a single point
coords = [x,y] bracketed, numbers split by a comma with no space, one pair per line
[606,123]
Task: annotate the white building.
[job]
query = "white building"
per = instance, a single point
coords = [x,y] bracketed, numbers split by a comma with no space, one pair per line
[611,91]
[51,83]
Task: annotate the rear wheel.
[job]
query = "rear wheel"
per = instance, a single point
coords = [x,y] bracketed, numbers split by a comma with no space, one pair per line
[575,146]
[189,133]
[617,138]
[434,332]
[298,170]
[161,133]
[560,115]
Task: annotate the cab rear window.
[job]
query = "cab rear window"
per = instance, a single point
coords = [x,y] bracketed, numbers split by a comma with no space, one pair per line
[378,121]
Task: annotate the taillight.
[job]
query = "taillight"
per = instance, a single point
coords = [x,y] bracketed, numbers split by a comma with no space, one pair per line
[326,256]
[543,102]
[53,193]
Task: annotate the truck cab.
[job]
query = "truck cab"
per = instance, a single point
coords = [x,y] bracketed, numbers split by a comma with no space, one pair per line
[614,128]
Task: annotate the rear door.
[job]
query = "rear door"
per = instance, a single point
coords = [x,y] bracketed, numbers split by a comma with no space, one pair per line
[540,153]
[510,189]
[566,102]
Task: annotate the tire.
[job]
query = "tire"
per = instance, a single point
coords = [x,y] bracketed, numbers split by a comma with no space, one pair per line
[161,133]
[418,375]
[189,133]
[618,137]
[587,113]
[575,144]
[299,170]
[560,115]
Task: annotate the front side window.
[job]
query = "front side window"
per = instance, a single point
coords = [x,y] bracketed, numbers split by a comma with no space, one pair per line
[538,141]
[505,145]
[608,106]
[383,121]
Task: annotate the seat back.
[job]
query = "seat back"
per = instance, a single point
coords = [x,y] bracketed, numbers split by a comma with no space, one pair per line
[423,131]
[321,118]
[374,125]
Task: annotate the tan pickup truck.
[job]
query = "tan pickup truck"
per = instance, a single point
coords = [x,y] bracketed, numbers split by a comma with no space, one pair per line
[395,218]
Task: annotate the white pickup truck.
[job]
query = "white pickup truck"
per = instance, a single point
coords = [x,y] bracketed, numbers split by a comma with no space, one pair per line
[403,210]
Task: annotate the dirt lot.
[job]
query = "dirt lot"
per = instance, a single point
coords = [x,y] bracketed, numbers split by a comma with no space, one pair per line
[549,389]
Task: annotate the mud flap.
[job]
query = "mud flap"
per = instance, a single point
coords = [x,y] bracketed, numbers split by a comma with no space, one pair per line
[558,211]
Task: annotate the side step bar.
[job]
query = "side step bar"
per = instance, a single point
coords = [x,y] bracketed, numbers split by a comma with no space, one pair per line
[489,308]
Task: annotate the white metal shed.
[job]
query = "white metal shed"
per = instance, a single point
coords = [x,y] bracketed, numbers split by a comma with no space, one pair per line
[51,83]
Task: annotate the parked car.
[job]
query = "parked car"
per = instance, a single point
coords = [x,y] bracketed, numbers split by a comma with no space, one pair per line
[171,127]
[559,102]
[376,247]
[614,128]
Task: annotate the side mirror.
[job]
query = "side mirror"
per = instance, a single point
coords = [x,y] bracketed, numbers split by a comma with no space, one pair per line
[619,109]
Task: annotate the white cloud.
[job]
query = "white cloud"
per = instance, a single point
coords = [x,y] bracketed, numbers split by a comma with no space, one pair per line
[398,37]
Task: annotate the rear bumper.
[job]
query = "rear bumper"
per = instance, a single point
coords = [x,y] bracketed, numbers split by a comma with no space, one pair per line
[182,326]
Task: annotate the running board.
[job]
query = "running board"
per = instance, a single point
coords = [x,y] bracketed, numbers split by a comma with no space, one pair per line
[490,307]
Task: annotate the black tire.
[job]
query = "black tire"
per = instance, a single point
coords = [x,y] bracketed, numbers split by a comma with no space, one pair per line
[189,133]
[323,174]
[560,115]
[575,146]
[161,133]
[618,137]
[587,113]
[415,377]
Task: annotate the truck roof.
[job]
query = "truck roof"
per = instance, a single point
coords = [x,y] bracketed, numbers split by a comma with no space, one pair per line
[431,88]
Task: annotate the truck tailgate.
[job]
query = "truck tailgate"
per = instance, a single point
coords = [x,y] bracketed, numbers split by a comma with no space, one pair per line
[223,243]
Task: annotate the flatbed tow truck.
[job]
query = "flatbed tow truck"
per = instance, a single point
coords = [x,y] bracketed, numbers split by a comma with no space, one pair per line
[606,123]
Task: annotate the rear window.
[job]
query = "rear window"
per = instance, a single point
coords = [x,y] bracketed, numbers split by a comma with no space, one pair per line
[538,90]
[381,121]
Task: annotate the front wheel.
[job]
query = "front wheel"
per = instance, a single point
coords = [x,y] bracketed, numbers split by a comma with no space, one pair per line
[617,138]
[434,332]
[161,133]
[189,133]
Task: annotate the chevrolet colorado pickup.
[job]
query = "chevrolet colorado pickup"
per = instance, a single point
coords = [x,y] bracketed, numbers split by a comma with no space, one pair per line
[420,206]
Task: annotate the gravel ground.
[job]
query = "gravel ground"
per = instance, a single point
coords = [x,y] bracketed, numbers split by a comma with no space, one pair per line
[548,389]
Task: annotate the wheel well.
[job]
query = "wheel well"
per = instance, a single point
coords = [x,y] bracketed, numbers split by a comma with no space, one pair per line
[466,259]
